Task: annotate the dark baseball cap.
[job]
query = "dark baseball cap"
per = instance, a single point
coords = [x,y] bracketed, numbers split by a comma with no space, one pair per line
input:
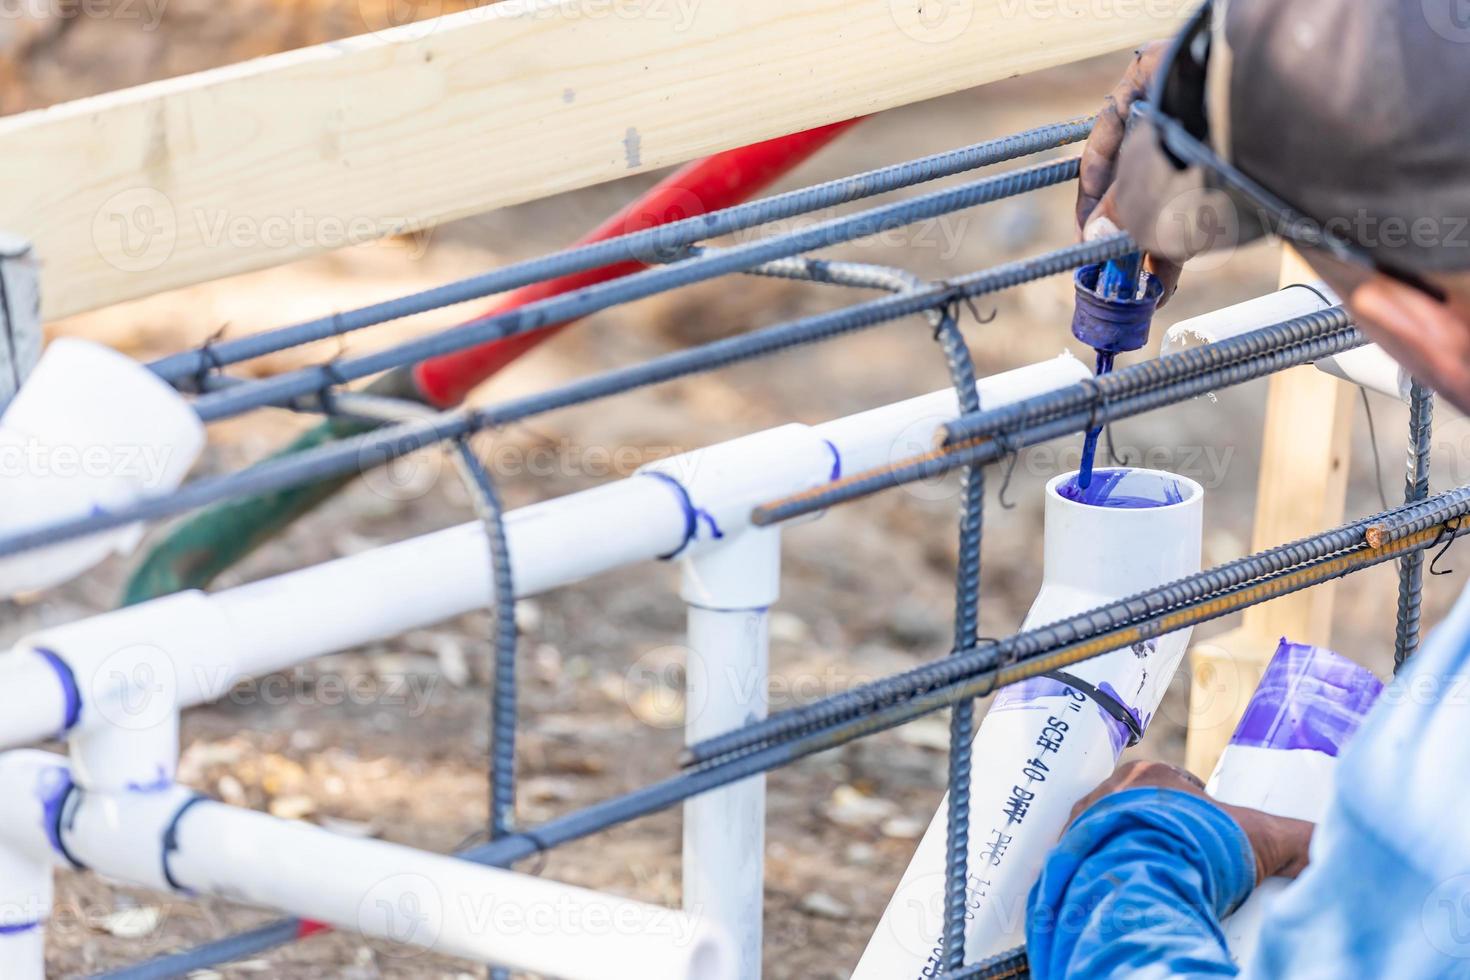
[1341,125]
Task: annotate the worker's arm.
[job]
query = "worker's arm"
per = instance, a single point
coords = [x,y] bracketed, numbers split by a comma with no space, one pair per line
[1141,879]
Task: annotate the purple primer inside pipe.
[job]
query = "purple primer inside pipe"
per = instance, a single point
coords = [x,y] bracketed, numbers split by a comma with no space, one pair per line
[1103,491]
[1309,698]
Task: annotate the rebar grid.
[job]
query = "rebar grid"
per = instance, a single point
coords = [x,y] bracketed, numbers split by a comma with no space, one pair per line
[973,668]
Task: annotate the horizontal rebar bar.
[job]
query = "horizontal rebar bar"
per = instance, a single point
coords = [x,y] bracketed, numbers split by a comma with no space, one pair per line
[280,389]
[639,246]
[1378,531]
[382,445]
[1146,375]
[1099,412]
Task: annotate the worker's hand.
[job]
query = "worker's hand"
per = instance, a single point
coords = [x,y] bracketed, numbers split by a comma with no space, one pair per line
[1279,843]
[1096,215]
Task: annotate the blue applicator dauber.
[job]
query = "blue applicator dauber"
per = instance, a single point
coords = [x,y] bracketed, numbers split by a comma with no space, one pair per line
[1115,306]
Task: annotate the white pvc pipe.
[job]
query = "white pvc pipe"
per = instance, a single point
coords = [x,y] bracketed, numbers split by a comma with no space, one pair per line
[729,591]
[1369,366]
[193,647]
[25,905]
[1045,744]
[1282,758]
[90,429]
[451,906]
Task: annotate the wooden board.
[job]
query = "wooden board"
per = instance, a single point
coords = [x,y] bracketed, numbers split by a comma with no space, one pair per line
[1302,490]
[260,163]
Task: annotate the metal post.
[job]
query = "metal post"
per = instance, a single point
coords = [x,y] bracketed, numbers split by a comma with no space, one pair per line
[729,589]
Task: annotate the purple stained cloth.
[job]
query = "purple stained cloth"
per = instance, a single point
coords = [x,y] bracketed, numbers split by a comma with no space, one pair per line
[1309,698]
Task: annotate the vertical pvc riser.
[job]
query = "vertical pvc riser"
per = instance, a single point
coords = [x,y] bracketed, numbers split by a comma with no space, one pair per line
[1283,756]
[729,589]
[1044,745]
[25,905]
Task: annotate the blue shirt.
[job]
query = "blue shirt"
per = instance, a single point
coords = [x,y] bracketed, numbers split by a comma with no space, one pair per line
[1138,884]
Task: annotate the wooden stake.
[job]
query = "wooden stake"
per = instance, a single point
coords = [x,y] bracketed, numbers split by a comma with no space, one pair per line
[1302,490]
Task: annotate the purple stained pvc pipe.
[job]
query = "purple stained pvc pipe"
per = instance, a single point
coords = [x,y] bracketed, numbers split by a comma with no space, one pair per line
[1309,698]
[1025,694]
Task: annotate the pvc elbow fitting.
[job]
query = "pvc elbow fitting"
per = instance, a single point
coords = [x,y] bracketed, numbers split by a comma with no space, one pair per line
[90,430]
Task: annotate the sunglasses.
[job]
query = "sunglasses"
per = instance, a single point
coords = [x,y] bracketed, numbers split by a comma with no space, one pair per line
[1176,117]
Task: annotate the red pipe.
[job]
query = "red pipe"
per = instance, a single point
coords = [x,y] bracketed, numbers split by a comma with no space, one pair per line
[716,182]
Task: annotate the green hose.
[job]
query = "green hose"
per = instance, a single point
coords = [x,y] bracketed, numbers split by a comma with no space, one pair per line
[208,543]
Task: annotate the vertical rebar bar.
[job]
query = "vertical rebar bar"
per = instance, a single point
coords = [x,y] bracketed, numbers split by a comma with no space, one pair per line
[1416,487]
[503,650]
[966,631]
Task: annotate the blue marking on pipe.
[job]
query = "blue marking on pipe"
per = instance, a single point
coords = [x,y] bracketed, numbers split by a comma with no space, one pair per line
[170,840]
[836,473]
[709,520]
[16,928]
[691,513]
[53,787]
[69,691]
[160,782]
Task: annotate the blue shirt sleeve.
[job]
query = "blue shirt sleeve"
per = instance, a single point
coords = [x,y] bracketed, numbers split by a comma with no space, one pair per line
[1137,887]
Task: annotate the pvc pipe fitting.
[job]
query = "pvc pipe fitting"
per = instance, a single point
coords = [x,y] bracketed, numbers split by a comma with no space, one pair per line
[1048,741]
[723,483]
[91,429]
[171,839]
[129,669]
[1369,366]
[1283,756]
[25,907]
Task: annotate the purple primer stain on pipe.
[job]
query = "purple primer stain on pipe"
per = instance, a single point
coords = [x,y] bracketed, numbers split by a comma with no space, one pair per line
[1025,694]
[53,785]
[1103,491]
[16,928]
[1309,698]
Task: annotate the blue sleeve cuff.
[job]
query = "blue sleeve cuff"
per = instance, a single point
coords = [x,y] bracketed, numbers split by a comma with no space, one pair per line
[1137,887]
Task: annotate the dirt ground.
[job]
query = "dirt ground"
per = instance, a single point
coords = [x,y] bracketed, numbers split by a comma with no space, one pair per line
[390,740]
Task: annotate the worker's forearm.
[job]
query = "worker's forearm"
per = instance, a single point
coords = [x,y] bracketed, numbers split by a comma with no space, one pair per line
[1137,887]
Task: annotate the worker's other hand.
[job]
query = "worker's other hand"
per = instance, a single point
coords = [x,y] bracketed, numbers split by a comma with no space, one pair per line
[1096,212]
[1279,843]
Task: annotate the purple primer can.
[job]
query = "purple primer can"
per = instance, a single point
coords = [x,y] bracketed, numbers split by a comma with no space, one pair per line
[1309,698]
